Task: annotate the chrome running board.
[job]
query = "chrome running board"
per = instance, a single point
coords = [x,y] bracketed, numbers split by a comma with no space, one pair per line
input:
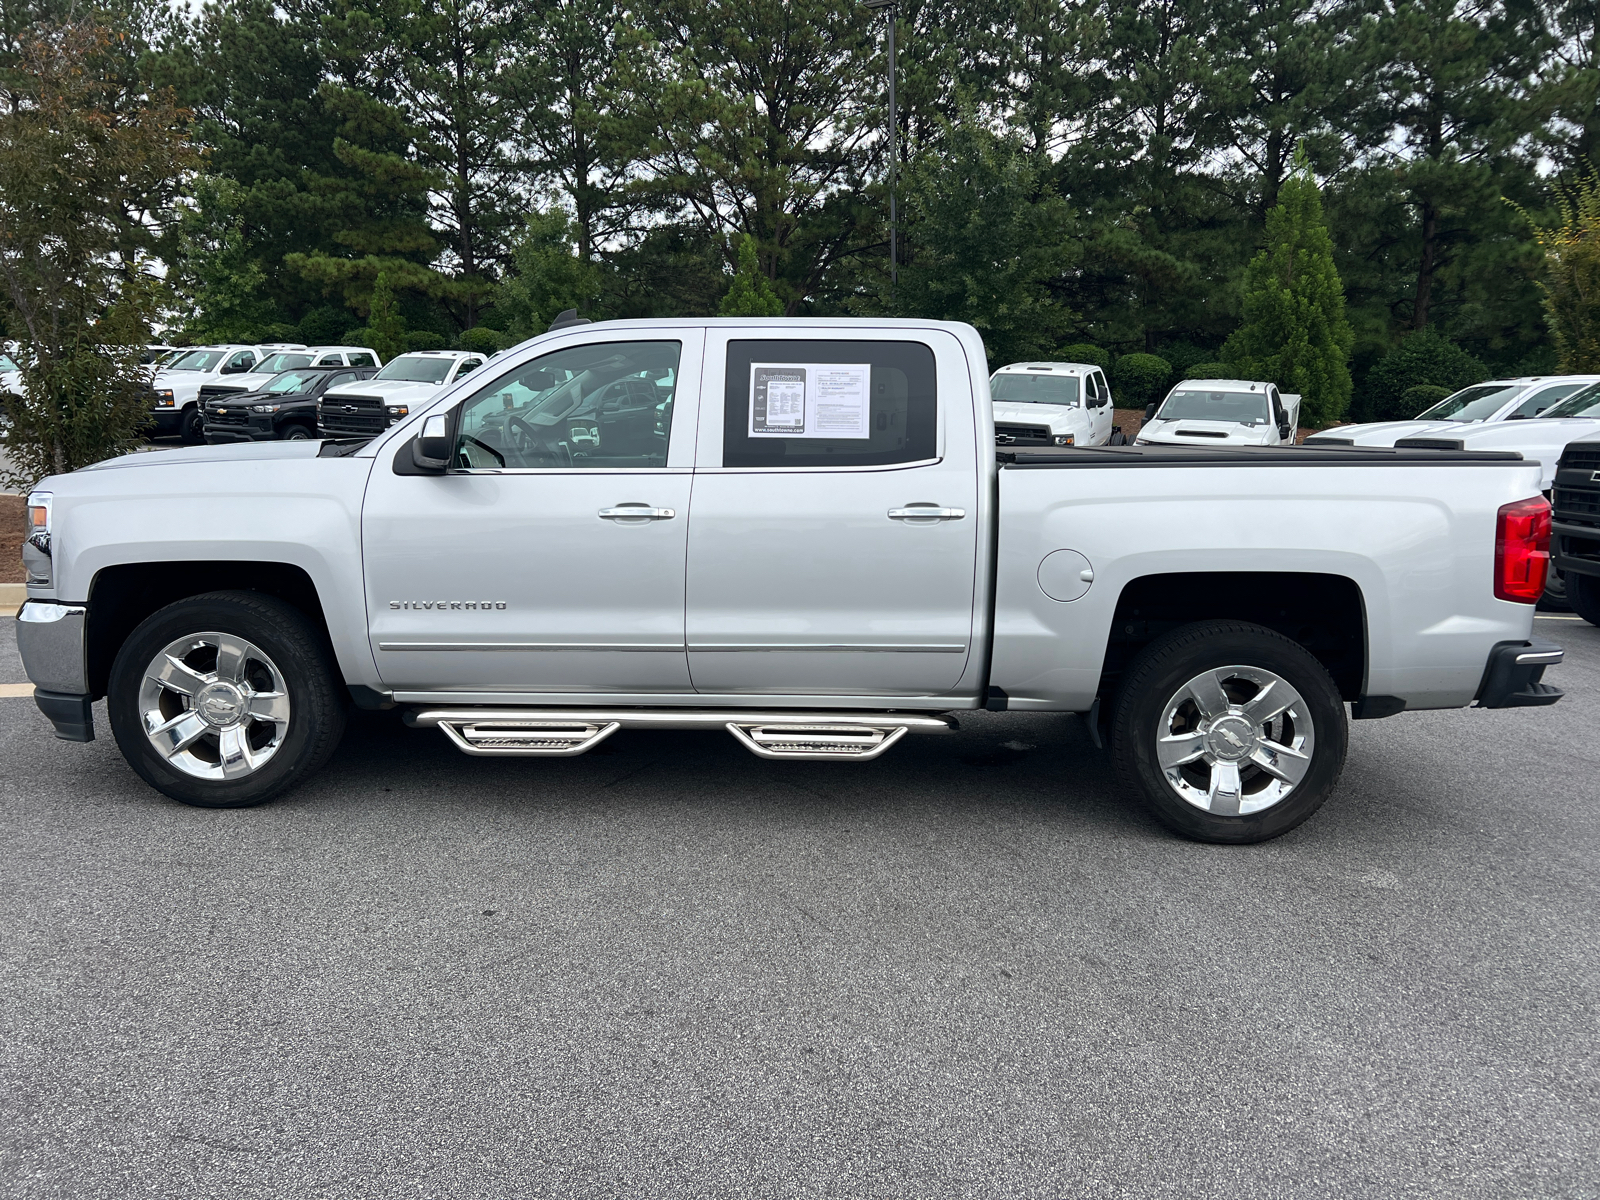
[856,742]
[563,733]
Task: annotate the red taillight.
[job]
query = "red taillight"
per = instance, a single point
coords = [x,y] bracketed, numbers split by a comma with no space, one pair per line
[1522,550]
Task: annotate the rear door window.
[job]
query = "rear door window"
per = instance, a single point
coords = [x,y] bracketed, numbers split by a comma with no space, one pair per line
[821,403]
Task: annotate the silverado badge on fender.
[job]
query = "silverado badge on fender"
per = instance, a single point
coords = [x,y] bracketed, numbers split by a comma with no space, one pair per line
[458,605]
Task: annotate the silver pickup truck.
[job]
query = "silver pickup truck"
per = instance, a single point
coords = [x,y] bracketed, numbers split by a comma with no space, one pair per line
[797,531]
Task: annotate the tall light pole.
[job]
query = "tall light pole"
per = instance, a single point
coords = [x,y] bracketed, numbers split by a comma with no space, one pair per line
[891,8]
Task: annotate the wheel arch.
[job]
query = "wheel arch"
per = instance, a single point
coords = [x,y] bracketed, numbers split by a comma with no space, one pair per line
[121,596]
[1325,613]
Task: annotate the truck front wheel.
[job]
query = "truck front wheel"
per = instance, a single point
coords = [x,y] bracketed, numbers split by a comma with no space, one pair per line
[192,426]
[1229,732]
[1583,595]
[225,700]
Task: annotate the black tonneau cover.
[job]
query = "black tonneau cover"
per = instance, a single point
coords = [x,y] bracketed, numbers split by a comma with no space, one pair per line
[1250,456]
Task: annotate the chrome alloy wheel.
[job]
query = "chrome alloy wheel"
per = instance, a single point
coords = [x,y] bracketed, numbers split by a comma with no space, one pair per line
[1235,740]
[214,706]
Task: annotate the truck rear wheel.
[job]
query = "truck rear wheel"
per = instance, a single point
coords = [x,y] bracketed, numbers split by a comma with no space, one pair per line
[1229,732]
[225,700]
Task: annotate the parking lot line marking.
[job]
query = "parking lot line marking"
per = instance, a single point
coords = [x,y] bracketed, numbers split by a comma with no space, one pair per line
[1554,617]
[18,690]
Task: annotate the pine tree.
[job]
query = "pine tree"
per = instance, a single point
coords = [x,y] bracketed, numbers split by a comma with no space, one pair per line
[1295,333]
[752,294]
[387,327]
[1572,289]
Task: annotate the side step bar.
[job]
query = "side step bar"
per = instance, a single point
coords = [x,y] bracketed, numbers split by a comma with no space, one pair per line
[563,733]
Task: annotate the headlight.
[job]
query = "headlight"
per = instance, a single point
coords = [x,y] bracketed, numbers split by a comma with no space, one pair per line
[398,410]
[1064,439]
[265,408]
[36,549]
[164,398]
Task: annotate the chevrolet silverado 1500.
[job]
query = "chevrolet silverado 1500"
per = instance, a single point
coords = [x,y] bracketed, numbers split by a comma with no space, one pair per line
[796,531]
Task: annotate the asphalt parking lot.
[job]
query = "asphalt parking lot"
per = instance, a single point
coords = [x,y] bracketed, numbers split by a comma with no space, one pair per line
[672,969]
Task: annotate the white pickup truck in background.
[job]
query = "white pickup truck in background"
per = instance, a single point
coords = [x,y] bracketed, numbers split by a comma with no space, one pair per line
[795,531]
[368,406]
[1489,403]
[1222,412]
[1052,404]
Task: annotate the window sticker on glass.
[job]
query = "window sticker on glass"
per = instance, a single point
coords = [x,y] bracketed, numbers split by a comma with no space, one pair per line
[810,400]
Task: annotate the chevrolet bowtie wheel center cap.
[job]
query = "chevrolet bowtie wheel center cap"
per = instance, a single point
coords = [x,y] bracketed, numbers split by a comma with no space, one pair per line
[1231,738]
[220,704]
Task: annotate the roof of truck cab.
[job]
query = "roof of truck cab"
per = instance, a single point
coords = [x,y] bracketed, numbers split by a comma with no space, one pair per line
[1226,385]
[1060,368]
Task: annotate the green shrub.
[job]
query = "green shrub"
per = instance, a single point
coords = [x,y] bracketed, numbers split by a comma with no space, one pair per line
[1184,356]
[425,339]
[1082,352]
[1141,379]
[483,340]
[1416,400]
[1424,358]
[1209,370]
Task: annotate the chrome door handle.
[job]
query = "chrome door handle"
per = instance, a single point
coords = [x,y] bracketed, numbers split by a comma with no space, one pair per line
[637,512]
[926,512]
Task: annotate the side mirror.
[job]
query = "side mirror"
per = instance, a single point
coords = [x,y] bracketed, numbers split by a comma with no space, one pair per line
[1283,431]
[430,450]
[1150,412]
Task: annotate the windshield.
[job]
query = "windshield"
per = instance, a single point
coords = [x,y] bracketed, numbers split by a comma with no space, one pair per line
[1581,404]
[291,381]
[281,362]
[1470,404]
[198,360]
[1035,389]
[1192,404]
[417,370]
[7,363]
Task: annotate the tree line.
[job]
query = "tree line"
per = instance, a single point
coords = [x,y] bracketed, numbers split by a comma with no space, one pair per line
[1071,172]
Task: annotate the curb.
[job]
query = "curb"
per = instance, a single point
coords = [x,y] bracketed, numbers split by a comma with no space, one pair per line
[11,597]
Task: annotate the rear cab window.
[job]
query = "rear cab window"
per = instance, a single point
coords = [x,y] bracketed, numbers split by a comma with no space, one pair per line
[828,403]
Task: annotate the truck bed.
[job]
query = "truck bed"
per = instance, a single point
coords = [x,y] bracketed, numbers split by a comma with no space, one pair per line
[1246,456]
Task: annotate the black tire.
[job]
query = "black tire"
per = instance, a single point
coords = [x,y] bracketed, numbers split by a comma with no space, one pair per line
[1118,438]
[315,693]
[192,426]
[295,433]
[1156,678]
[1583,596]
[1555,594]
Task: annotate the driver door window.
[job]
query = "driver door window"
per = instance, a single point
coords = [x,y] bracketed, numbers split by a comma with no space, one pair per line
[604,406]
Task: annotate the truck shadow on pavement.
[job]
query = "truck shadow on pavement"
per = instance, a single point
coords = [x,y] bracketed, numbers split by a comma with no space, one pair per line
[1042,763]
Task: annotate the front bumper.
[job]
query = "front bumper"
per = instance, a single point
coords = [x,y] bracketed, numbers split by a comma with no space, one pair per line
[1574,549]
[1511,678]
[50,639]
[166,420]
[251,432]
